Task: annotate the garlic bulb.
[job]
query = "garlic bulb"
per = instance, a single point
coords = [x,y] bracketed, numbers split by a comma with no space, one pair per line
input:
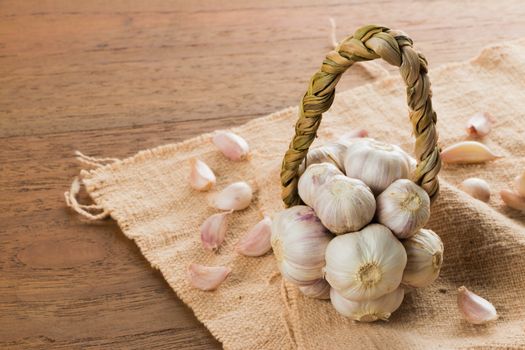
[474,308]
[320,289]
[519,184]
[213,230]
[479,125]
[256,241]
[332,153]
[368,310]
[207,277]
[344,204]
[231,145]
[202,177]
[477,188]
[403,207]
[299,241]
[467,152]
[376,163]
[424,258]
[236,196]
[313,178]
[365,264]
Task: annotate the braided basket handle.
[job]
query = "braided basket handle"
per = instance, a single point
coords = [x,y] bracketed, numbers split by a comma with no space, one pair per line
[368,43]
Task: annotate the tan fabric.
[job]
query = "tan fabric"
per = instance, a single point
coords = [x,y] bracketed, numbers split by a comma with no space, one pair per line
[149,197]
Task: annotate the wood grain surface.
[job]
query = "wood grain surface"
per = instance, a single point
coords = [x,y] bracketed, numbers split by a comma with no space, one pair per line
[110,78]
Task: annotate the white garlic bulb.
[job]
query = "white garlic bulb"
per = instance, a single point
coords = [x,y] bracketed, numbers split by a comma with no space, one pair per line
[477,188]
[365,264]
[424,258]
[332,153]
[313,178]
[368,310]
[299,241]
[320,289]
[344,204]
[403,207]
[475,309]
[376,163]
[236,196]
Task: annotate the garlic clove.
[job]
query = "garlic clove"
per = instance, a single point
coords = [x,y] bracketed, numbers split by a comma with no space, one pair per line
[202,177]
[519,184]
[424,259]
[474,308]
[479,125]
[513,200]
[257,241]
[313,178]
[467,152]
[477,188]
[236,196]
[368,310]
[207,277]
[213,230]
[332,153]
[233,146]
[320,289]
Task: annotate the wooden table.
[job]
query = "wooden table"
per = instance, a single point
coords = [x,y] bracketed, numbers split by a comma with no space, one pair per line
[110,78]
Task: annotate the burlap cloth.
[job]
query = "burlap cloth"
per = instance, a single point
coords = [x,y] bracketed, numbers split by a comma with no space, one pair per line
[148,195]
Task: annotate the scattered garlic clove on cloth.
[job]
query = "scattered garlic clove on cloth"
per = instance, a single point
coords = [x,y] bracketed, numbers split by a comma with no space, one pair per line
[233,146]
[256,241]
[479,125]
[513,200]
[207,277]
[213,230]
[236,196]
[477,188]
[475,309]
[519,184]
[467,152]
[202,177]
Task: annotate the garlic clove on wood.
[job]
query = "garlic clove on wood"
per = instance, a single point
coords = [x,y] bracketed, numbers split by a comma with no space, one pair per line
[467,152]
[474,308]
[513,200]
[313,178]
[479,125]
[366,264]
[233,146]
[519,184]
[403,207]
[256,241]
[367,310]
[424,258]
[207,277]
[213,230]
[320,289]
[332,153]
[236,196]
[477,188]
[202,177]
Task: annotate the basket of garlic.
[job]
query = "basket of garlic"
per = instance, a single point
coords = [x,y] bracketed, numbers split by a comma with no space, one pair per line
[353,231]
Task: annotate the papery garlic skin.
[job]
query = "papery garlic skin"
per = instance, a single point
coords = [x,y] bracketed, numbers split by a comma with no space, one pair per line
[376,163]
[366,264]
[424,258]
[368,310]
[513,200]
[299,242]
[479,125]
[236,196]
[313,178]
[519,184]
[332,153]
[467,152]
[233,146]
[202,177]
[213,230]
[344,204]
[207,277]
[256,241]
[475,309]
[403,207]
[320,289]
[477,188]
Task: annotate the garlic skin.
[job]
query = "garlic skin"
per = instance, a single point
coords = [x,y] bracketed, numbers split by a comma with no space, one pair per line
[424,259]
[313,178]
[320,289]
[513,200]
[256,241]
[477,188]
[233,146]
[474,309]
[202,177]
[207,277]
[236,196]
[467,152]
[344,204]
[213,230]
[299,242]
[365,265]
[332,153]
[479,125]
[403,207]
[519,184]
[376,163]
[368,310]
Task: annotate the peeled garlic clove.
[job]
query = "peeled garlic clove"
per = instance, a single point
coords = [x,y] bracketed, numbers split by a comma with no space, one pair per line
[202,177]
[366,264]
[236,196]
[257,241]
[231,145]
[320,289]
[513,200]
[403,207]
[313,178]
[467,152]
[375,163]
[519,184]
[213,230]
[477,188]
[479,125]
[332,153]
[424,259]
[344,204]
[207,277]
[299,241]
[474,308]
[368,310]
